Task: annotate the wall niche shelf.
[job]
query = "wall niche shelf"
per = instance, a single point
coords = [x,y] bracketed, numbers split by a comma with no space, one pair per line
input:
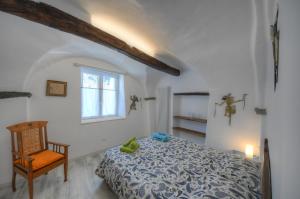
[189,116]
[198,133]
[201,120]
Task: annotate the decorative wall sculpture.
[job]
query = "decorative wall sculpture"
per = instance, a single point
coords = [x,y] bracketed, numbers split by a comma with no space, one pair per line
[134,99]
[12,94]
[275,43]
[230,108]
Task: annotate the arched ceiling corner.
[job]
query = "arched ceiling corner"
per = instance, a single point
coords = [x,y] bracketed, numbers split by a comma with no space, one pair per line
[83,51]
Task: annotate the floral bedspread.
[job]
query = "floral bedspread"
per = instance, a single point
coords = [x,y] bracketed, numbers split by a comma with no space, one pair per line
[179,169]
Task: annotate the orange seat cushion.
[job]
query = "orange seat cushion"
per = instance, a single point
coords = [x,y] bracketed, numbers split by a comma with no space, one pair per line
[43,159]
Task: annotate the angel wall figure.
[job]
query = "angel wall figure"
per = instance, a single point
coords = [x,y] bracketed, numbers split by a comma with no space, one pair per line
[230,108]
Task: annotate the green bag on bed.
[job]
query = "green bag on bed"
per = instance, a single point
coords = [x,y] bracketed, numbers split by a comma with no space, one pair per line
[131,146]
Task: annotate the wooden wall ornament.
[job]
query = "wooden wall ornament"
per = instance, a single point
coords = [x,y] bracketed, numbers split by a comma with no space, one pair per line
[149,98]
[134,99]
[275,33]
[193,93]
[50,16]
[260,111]
[13,94]
[56,88]
[230,108]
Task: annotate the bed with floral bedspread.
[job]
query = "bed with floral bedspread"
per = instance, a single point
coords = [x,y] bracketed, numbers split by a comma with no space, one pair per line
[179,169]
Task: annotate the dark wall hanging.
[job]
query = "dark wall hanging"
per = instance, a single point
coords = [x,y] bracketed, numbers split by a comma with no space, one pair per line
[275,43]
[149,98]
[12,94]
[134,99]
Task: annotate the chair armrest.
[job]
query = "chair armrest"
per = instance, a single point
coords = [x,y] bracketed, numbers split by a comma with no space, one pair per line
[28,158]
[23,159]
[57,147]
[58,144]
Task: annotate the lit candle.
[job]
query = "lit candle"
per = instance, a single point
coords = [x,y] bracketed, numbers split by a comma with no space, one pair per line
[249,151]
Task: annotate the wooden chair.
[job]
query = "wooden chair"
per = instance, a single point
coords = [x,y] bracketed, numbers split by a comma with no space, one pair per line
[32,154]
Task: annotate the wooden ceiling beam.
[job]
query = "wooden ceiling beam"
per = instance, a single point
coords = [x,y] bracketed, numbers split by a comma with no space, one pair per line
[50,16]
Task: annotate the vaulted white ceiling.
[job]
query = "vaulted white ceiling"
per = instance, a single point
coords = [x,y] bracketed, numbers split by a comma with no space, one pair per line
[212,37]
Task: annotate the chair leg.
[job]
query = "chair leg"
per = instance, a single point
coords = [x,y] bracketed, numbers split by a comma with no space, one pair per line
[13,182]
[30,186]
[66,170]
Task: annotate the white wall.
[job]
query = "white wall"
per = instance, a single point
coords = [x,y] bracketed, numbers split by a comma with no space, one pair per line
[244,128]
[213,38]
[12,111]
[63,113]
[223,46]
[281,124]
[215,41]
[232,68]
[188,81]
[239,79]
[29,49]
[195,106]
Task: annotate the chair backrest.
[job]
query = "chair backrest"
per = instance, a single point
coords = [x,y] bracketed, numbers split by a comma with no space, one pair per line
[30,137]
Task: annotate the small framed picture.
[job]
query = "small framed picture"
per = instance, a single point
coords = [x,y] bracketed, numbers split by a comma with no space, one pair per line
[56,88]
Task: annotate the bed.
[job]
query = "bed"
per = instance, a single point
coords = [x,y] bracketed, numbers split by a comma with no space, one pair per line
[179,169]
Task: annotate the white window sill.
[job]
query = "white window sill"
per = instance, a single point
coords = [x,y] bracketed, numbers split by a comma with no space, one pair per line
[88,121]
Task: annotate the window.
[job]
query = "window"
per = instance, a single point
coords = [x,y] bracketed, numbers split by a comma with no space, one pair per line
[102,95]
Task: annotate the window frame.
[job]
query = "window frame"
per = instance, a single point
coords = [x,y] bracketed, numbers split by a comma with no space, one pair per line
[101,74]
[117,90]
